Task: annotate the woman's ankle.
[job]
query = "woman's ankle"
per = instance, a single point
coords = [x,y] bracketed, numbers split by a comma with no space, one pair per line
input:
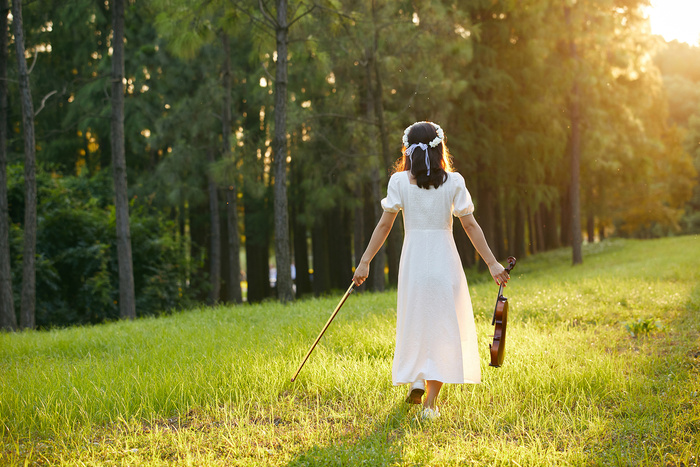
[429,404]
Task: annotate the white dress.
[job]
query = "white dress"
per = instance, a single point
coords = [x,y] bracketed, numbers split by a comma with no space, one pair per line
[435,332]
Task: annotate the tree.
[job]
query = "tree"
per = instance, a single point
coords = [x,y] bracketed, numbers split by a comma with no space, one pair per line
[693,147]
[27,316]
[215,237]
[623,124]
[8,320]
[234,240]
[679,65]
[370,54]
[575,148]
[496,74]
[127,299]
[215,21]
[280,25]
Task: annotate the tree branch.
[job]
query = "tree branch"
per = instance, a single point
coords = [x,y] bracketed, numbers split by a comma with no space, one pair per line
[262,24]
[267,15]
[267,72]
[337,12]
[36,56]
[43,102]
[309,10]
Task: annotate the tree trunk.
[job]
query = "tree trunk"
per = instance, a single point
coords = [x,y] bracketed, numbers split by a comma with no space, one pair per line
[464,246]
[235,294]
[214,235]
[551,236]
[127,299]
[499,244]
[319,246]
[199,225]
[340,252]
[358,236]
[184,228]
[486,217]
[234,241]
[393,245]
[279,148]
[8,320]
[539,220]
[590,214]
[378,263]
[510,228]
[575,155]
[256,246]
[369,222]
[519,235]
[576,236]
[532,231]
[301,255]
[565,217]
[27,316]
[299,230]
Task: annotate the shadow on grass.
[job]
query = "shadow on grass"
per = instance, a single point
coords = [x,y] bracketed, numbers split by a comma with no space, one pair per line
[380,446]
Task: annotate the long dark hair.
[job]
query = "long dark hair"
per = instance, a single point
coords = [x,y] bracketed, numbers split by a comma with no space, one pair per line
[440,161]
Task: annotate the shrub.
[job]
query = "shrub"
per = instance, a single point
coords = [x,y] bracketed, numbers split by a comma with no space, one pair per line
[77,278]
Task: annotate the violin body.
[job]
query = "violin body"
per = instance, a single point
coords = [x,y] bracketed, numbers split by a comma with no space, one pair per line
[500,322]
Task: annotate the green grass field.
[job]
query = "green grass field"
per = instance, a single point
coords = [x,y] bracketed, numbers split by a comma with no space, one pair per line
[602,368]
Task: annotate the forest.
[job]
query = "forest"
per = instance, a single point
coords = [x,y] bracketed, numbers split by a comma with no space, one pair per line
[155,154]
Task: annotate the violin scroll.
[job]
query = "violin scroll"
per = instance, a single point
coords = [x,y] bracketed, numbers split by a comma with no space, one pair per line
[511,263]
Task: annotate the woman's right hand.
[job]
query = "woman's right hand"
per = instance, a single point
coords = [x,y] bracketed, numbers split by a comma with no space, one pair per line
[361,273]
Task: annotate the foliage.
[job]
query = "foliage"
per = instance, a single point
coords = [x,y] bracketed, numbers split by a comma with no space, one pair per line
[77,272]
[496,74]
[211,385]
[678,64]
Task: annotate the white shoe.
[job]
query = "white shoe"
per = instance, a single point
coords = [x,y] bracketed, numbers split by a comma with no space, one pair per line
[415,393]
[429,414]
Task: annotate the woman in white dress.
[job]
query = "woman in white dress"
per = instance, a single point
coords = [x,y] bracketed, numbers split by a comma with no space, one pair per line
[435,332]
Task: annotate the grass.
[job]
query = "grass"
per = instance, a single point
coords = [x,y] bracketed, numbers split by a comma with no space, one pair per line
[602,368]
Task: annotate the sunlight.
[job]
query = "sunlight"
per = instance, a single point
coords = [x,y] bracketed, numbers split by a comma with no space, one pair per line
[676,20]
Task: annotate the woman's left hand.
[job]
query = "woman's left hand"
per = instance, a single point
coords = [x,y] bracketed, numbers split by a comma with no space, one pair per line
[499,273]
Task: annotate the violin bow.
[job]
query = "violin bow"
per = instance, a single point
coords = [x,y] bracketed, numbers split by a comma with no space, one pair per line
[335,312]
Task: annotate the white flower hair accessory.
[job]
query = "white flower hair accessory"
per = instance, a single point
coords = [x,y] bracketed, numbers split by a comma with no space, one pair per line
[438,139]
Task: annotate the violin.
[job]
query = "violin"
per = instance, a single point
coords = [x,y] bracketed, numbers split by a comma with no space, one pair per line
[500,320]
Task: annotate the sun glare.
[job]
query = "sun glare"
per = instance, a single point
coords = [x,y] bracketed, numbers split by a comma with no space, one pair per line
[676,20]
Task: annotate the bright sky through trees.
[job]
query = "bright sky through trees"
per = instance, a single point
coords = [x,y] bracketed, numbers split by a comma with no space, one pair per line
[676,19]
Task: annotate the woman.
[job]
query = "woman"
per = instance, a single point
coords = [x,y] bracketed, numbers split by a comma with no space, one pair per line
[435,332]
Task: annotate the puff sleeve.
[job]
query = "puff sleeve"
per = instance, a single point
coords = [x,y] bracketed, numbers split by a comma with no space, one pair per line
[462,203]
[393,202]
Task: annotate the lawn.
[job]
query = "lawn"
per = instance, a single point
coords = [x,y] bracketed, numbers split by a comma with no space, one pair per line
[602,368]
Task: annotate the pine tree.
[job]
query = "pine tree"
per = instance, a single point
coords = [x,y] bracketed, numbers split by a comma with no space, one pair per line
[27,316]
[8,320]
[127,299]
